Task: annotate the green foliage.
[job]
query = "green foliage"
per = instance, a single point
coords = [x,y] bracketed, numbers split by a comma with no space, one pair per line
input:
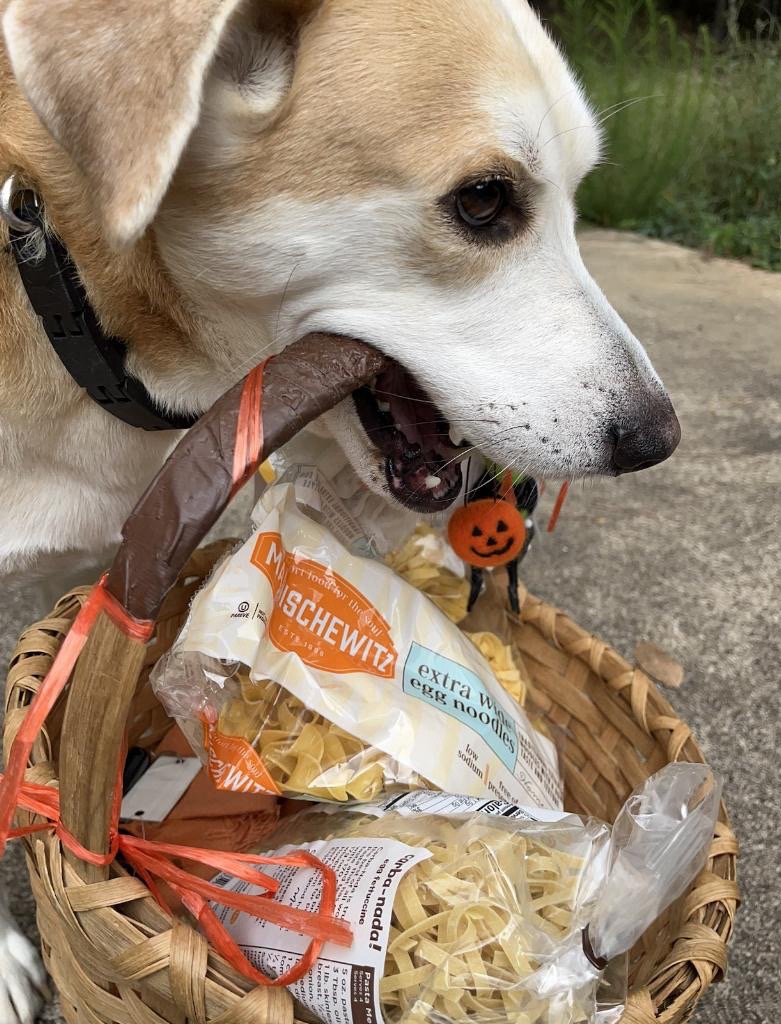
[697,158]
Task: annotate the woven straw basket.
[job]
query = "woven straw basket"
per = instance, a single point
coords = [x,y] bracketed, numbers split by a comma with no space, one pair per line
[114,954]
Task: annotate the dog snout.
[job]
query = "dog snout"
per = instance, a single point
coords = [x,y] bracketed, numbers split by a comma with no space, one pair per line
[646,439]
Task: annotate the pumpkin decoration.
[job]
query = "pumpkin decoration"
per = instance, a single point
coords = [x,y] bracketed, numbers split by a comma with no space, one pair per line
[495,529]
[488,533]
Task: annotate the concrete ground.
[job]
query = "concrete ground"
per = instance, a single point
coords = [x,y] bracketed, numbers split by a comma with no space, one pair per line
[686,556]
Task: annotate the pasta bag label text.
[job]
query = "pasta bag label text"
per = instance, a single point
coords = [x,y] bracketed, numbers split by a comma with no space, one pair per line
[343,987]
[320,617]
[234,766]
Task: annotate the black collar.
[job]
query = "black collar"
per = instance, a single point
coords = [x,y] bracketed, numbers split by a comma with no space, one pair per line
[95,360]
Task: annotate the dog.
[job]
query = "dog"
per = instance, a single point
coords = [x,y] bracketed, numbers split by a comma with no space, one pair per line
[22,979]
[229,175]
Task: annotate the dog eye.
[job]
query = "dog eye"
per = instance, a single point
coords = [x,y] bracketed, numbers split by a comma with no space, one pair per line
[480,203]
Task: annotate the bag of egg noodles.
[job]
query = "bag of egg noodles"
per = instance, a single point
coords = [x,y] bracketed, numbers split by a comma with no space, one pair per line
[306,670]
[477,913]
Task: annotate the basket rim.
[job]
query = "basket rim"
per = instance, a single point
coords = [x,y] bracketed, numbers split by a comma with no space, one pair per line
[697,955]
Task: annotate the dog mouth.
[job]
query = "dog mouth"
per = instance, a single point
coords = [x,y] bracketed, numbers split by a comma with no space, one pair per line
[421,449]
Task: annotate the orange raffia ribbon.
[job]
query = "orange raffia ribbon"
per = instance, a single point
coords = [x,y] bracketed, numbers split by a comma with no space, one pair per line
[249,430]
[151,860]
[506,490]
[100,600]
[557,508]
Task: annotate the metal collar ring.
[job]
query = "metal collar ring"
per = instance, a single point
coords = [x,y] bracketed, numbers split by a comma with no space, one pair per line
[10,191]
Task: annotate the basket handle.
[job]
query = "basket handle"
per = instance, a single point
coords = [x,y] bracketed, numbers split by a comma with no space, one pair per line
[169,522]
[196,484]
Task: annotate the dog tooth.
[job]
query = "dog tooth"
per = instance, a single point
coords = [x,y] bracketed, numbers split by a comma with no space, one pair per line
[383,406]
[432,482]
[456,438]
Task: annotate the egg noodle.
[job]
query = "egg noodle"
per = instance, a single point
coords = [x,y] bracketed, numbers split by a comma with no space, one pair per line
[308,756]
[422,562]
[305,754]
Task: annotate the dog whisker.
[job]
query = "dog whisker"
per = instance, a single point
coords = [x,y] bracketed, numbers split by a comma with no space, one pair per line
[599,114]
[284,296]
[550,181]
[511,467]
[459,458]
[394,394]
[251,361]
[498,436]
[239,369]
[482,483]
[619,108]
[567,131]
[550,109]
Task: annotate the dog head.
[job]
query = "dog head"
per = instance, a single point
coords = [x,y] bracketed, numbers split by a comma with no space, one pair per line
[402,171]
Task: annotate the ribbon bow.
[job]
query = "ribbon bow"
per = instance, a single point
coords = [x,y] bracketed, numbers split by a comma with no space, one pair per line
[151,860]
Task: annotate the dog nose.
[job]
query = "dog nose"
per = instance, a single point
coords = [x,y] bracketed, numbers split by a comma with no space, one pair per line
[647,442]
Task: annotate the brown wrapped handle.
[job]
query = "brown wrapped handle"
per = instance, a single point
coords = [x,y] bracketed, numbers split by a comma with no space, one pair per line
[195,485]
[169,522]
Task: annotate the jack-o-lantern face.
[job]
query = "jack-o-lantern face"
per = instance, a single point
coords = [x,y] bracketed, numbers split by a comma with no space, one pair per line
[487,533]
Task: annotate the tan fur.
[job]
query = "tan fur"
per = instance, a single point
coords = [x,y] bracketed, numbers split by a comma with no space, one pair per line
[404,100]
[381,94]
[117,83]
[405,108]
[404,104]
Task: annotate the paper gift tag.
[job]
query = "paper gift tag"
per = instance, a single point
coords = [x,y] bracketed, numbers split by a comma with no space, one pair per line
[159,789]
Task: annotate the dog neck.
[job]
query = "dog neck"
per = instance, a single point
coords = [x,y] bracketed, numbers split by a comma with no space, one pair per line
[69,472]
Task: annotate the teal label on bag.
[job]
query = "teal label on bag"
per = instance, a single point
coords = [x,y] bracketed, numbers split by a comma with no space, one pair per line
[458,692]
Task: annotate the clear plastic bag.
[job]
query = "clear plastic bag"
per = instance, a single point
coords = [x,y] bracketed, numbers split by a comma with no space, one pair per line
[482,918]
[257,735]
[660,842]
[307,670]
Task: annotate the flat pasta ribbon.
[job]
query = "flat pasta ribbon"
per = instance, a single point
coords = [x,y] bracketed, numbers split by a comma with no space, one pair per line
[308,756]
[477,928]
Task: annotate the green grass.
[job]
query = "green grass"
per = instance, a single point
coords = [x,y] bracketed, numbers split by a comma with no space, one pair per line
[697,159]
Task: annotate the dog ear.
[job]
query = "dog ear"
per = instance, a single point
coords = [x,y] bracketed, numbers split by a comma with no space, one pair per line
[119,85]
[252,72]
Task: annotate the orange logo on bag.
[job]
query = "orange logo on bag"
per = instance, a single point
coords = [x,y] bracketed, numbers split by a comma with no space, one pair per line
[234,766]
[320,617]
